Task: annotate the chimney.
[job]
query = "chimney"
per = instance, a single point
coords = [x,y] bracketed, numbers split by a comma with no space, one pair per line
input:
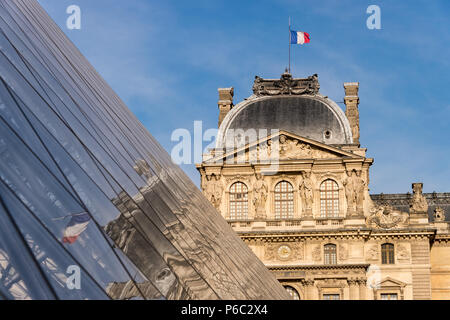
[351,111]
[225,102]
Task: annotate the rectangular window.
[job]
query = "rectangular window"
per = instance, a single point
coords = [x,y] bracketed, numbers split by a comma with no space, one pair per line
[389,296]
[331,297]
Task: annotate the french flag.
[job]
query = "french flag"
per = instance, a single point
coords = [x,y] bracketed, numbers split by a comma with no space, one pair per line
[298,37]
[76,226]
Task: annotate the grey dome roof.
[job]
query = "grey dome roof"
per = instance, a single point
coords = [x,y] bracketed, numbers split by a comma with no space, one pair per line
[310,116]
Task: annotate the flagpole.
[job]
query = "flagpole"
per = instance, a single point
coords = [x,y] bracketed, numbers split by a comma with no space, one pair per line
[289,45]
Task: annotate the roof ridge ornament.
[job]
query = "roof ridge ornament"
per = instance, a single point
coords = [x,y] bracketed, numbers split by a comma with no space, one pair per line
[286,85]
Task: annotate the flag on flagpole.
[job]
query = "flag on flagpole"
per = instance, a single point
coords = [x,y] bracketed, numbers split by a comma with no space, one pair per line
[298,37]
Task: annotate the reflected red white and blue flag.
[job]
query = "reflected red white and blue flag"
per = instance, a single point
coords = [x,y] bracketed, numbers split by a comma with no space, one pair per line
[76,226]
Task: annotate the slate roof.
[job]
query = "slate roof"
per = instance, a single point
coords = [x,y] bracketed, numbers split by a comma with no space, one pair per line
[401,201]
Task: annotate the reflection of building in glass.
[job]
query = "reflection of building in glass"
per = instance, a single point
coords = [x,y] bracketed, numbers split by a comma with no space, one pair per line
[309,215]
[82,183]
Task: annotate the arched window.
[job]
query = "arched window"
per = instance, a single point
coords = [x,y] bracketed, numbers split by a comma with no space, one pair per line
[387,253]
[329,199]
[284,200]
[294,293]
[329,251]
[238,201]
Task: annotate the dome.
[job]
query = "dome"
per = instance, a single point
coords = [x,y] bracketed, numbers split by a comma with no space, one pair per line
[312,116]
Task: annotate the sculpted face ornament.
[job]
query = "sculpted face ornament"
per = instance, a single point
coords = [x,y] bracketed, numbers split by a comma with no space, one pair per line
[439,214]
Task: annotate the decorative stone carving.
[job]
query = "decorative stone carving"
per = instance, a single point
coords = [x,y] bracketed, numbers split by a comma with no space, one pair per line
[260,190]
[386,217]
[439,214]
[283,251]
[286,85]
[270,251]
[297,247]
[295,149]
[306,192]
[343,254]
[372,253]
[402,253]
[237,178]
[214,190]
[360,187]
[349,185]
[317,254]
[354,192]
[418,203]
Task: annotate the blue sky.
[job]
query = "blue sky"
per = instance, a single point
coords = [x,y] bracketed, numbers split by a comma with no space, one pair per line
[166,60]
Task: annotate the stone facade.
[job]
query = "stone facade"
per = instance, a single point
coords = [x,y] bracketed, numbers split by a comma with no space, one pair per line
[303,204]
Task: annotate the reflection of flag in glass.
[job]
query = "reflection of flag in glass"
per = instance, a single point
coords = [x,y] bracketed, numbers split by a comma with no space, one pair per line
[77,224]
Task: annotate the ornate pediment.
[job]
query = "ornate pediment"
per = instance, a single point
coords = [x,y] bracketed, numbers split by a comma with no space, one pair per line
[286,85]
[389,283]
[283,146]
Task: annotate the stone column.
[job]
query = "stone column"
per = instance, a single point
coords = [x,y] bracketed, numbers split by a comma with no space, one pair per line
[351,100]
[362,289]
[353,289]
[225,102]
[310,289]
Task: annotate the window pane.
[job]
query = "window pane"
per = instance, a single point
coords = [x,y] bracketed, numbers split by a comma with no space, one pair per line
[329,199]
[238,201]
[284,200]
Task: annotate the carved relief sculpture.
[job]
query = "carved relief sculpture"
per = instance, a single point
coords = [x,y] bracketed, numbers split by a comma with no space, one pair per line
[295,149]
[283,251]
[386,217]
[270,251]
[402,253]
[343,254]
[372,253]
[317,254]
[286,85]
[213,190]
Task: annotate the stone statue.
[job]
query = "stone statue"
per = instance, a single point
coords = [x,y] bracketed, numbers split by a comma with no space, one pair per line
[306,192]
[360,186]
[418,203]
[218,191]
[354,192]
[349,184]
[260,190]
